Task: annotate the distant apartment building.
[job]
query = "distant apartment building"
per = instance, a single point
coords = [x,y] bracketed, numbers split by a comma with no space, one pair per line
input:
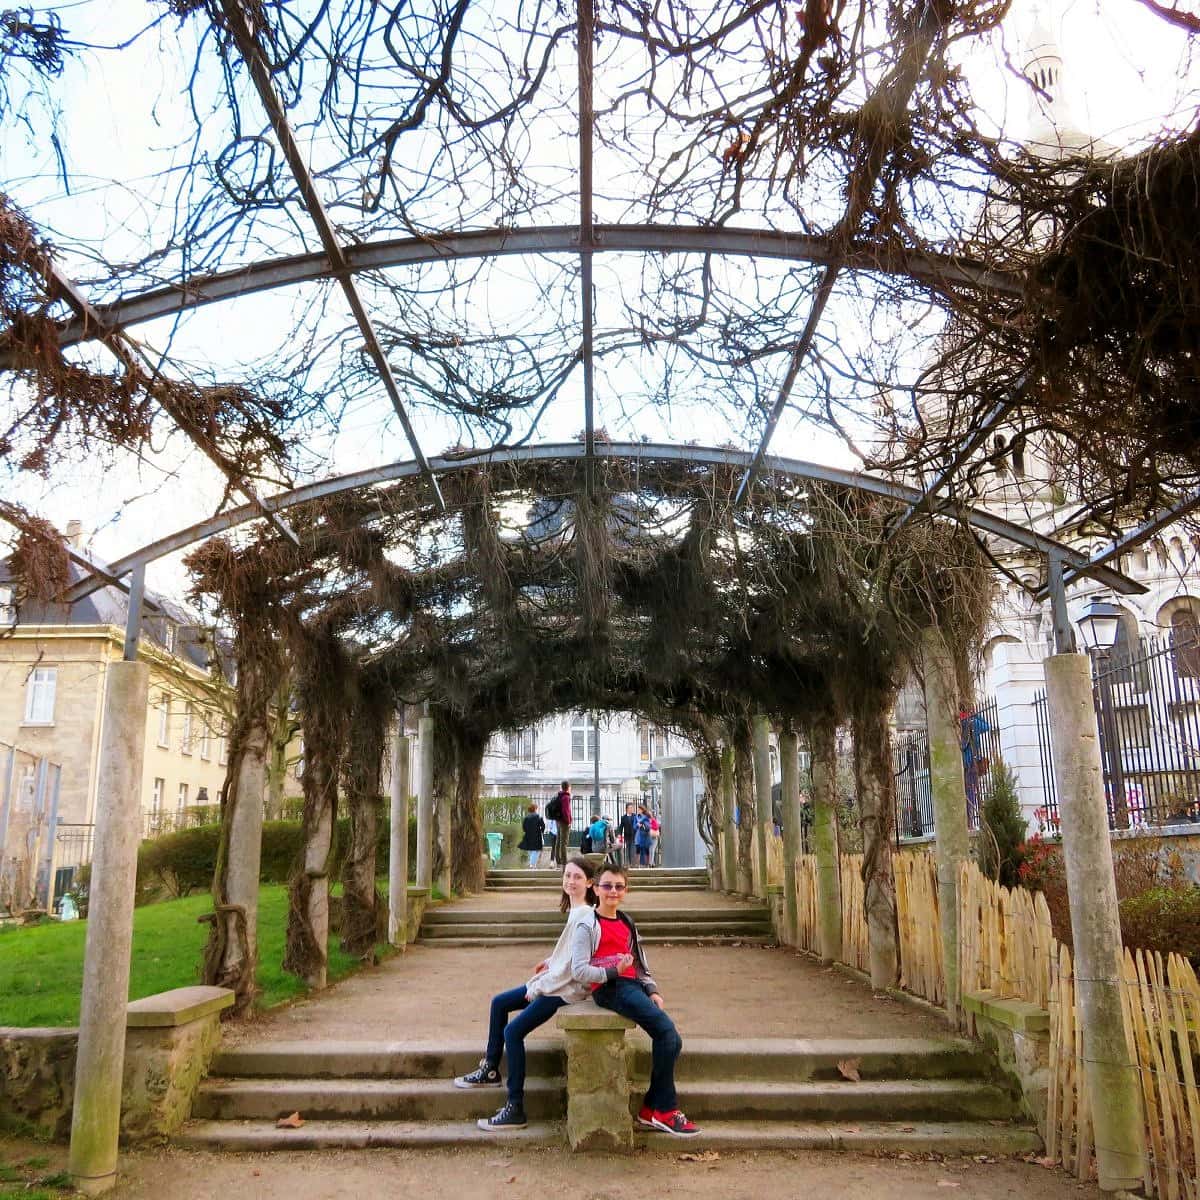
[53,666]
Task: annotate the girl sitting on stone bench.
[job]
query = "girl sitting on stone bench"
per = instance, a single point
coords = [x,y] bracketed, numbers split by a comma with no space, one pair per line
[535,1002]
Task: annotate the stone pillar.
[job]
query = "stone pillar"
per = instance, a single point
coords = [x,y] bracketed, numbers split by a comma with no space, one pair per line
[425,803]
[949,798]
[96,1116]
[789,761]
[1109,1073]
[876,797]
[443,798]
[764,825]
[729,802]
[822,747]
[398,842]
[598,1115]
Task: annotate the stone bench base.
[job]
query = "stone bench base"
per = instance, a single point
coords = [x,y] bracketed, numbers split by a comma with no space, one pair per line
[598,1116]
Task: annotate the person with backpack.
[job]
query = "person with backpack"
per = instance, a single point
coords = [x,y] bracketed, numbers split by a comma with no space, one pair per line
[533,829]
[559,811]
[599,835]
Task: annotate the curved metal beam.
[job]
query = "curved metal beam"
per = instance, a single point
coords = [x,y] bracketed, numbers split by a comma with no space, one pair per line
[261,276]
[705,456]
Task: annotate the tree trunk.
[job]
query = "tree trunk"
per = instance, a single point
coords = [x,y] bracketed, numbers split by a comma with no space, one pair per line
[467,854]
[361,776]
[822,745]
[324,702]
[743,778]
[877,801]
[231,953]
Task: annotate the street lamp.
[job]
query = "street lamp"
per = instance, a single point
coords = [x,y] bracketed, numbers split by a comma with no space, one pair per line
[652,783]
[1099,623]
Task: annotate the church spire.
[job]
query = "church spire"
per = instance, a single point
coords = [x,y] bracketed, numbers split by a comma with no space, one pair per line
[1050,117]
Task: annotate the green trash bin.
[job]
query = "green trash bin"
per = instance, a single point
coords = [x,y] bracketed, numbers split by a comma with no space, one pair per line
[495,843]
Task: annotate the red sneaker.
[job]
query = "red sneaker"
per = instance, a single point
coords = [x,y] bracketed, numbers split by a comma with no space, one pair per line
[646,1117]
[674,1122]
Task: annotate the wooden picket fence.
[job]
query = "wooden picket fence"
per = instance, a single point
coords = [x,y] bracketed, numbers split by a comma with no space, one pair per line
[854,917]
[807,928]
[1005,940]
[774,859]
[922,970]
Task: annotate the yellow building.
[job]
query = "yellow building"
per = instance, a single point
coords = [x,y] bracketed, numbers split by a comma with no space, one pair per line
[53,664]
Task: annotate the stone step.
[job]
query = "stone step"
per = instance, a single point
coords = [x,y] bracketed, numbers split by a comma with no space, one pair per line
[527,930]
[659,939]
[721,1059]
[440,1100]
[371,1099]
[520,885]
[921,1099]
[888,1137]
[454,915]
[636,875]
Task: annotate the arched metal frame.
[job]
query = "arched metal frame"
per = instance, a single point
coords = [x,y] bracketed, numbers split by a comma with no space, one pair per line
[977,519]
[287,271]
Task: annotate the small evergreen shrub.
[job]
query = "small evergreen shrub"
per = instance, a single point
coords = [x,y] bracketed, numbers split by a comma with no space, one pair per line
[999,848]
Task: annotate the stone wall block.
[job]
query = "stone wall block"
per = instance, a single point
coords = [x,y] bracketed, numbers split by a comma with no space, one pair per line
[598,1115]
[37,1078]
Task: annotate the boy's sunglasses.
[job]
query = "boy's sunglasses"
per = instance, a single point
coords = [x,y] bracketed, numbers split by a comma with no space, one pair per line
[611,887]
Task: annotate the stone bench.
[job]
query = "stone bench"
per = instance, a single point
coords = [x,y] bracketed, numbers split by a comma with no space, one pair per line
[598,1115]
[170,1040]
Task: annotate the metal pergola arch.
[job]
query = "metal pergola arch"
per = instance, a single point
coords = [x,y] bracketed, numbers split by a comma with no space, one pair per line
[980,521]
[288,270]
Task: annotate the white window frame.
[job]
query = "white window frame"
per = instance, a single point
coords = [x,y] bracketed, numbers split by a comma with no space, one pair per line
[8,610]
[185,741]
[584,726]
[41,690]
[522,746]
[205,738]
[181,798]
[223,750]
[164,719]
[156,795]
[169,637]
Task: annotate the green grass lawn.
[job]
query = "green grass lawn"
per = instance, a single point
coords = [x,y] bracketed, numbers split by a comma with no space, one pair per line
[41,967]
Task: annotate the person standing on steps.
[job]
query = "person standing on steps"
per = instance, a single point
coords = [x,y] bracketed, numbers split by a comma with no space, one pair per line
[533,829]
[553,984]
[641,836]
[628,830]
[608,955]
[560,810]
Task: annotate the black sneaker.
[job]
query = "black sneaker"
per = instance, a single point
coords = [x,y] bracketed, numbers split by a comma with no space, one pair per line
[511,1116]
[485,1075]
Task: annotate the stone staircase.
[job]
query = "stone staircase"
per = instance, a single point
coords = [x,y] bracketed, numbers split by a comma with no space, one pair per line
[655,879]
[734,922]
[913,1094]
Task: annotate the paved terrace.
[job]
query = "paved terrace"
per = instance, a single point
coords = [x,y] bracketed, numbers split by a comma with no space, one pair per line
[441,994]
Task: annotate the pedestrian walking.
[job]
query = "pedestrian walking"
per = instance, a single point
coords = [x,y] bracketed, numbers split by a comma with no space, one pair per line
[641,836]
[553,984]
[655,841]
[533,830]
[608,955]
[559,811]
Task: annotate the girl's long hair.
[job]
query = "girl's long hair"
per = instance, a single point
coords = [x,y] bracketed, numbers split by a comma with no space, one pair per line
[576,860]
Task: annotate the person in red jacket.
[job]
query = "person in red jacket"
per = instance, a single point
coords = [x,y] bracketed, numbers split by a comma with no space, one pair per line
[563,822]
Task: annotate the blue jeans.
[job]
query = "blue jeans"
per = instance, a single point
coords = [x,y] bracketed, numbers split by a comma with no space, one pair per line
[509,1036]
[625,996]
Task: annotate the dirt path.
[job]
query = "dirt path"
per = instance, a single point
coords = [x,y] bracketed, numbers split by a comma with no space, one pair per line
[486,1173]
[431,993]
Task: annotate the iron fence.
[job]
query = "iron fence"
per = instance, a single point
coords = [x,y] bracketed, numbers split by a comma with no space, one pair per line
[1147,706]
[979,743]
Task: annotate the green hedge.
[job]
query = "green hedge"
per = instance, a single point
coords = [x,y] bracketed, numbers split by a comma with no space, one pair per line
[1166,919]
[183,862]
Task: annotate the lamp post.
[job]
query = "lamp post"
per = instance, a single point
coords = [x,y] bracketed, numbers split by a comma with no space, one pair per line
[1099,623]
[652,780]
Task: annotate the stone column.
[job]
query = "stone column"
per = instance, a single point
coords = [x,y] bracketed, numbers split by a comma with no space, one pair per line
[729,801]
[822,747]
[598,1116]
[398,842]
[789,761]
[1109,1073]
[876,797]
[100,1063]
[949,798]
[443,799]
[425,803]
[764,825]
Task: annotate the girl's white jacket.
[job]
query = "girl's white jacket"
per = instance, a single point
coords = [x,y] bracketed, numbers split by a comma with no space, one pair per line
[558,979]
